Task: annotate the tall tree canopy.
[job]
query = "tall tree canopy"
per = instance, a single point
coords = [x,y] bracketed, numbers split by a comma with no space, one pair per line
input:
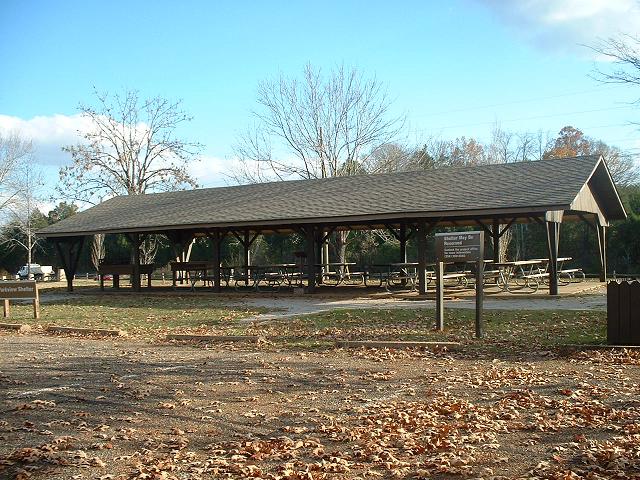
[571,142]
[131,148]
[317,127]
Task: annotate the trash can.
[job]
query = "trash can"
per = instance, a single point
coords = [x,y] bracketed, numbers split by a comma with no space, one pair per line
[623,312]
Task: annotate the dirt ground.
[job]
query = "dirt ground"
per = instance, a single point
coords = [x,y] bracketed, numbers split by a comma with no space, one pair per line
[125,409]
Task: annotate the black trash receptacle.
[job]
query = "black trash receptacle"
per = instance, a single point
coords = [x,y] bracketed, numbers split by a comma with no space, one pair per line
[623,313]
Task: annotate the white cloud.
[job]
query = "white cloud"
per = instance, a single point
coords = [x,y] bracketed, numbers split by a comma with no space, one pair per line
[212,171]
[48,133]
[568,25]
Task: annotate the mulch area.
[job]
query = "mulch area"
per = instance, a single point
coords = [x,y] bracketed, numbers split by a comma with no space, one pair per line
[127,409]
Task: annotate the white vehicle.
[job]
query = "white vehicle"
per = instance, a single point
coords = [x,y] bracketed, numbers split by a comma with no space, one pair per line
[37,272]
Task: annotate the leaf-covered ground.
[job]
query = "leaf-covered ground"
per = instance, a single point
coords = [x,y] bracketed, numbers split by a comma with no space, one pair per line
[140,409]
[152,316]
[139,315]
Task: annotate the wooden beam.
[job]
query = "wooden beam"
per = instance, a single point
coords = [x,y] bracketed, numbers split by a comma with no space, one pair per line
[310,234]
[326,236]
[392,231]
[495,236]
[553,239]
[216,241]
[484,227]
[402,237]
[592,225]
[506,227]
[69,256]
[602,248]
[424,229]
[135,276]
[247,255]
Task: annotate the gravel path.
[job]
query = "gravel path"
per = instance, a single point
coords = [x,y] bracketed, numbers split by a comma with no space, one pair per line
[295,306]
[290,306]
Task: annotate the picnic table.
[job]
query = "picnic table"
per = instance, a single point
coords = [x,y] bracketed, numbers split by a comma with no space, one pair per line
[406,273]
[520,274]
[115,270]
[388,274]
[192,271]
[271,276]
[402,273]
[340,272]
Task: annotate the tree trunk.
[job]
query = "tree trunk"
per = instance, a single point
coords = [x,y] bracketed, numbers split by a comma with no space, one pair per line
[341,246]
[505,241]
[97,250]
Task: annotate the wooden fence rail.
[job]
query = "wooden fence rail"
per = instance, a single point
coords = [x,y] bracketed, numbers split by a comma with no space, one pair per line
[623,313]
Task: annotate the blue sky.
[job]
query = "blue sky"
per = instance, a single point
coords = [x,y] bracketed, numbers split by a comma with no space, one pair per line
[454,68]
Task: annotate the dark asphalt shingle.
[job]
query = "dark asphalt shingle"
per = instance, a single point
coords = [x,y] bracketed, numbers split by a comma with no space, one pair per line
[532,185]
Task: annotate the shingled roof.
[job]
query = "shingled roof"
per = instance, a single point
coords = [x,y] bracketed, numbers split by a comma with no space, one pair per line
[481,192]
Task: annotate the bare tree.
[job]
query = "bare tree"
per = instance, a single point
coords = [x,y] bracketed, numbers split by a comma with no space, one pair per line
[624,51]
[150,246]
[131,149]
[320,126]
[14,150]
[23,209]
[390,157]
[502,148]
[317,127]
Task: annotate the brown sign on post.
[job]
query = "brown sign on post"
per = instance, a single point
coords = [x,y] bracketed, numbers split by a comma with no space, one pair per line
[23,290]
[460,247]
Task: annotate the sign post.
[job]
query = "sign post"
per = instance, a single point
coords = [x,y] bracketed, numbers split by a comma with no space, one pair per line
[460,247]
[23,290]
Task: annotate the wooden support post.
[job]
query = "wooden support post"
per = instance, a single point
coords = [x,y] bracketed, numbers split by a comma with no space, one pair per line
[422,257]
[440,296]
[69,257]
[403,243]
[480,293]
[553,237]
[318,255]
[602,247]
[325,253]
[216,241]
[495,235]
[6,310]
[246,243]
[310,234]
[36,304]
[135,275]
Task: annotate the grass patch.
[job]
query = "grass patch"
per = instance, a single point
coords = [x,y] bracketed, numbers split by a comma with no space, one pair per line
[138,314]
[504,330]
[152,315]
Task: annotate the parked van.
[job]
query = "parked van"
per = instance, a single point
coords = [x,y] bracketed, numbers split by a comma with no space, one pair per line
[36,272]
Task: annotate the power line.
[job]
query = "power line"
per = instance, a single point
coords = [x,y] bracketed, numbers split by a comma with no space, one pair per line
[517,102]
[537,117]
